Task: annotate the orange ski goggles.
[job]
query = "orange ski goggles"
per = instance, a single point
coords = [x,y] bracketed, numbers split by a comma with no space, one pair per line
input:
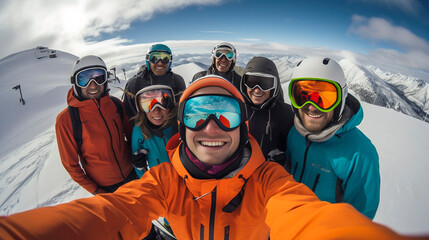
[323,94]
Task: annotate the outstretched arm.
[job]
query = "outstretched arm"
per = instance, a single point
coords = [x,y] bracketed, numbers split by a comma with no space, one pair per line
[120,215]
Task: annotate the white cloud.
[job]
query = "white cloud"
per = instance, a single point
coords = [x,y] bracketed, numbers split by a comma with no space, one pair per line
[71,25]
[415,50]
[380,29]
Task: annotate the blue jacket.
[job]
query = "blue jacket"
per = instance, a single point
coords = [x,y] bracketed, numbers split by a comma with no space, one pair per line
[155,145]
[343,168]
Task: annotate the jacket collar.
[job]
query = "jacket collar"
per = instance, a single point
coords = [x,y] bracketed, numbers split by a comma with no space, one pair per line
[256,157]
[229,190]
[351,118]
[74,102]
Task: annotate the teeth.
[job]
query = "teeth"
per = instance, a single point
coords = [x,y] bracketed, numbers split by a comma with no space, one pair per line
[212,144]
[314,116]
[157,118]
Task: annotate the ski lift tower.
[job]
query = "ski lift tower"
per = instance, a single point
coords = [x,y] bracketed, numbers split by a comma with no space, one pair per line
[21,99]
[125,75]
[114,75]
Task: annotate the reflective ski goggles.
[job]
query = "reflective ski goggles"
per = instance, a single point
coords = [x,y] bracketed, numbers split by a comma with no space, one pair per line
[265,82]
[227,111]
[155,57]
[324,94]
[150,98]
[96,74]
[229,54]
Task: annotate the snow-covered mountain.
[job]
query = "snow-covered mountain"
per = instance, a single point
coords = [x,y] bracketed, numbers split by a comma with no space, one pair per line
[31,174]
[370,88]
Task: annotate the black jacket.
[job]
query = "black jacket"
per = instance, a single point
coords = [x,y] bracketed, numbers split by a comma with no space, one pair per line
[270,122]
[145,78]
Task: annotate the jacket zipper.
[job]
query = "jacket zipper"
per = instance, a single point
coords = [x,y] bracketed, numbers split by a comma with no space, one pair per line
[119,135]
[111,140]
[212,215]
[202,232]
[308,144]
[226,237]
[316,181]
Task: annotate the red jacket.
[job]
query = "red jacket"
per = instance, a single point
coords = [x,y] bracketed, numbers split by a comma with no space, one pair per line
[273,203]
[104,147]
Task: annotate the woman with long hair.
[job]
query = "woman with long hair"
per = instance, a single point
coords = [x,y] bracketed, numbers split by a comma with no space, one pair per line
[156,123]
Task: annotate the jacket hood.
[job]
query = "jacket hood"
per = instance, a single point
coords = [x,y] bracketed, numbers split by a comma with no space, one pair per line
[261,65]
[357,113]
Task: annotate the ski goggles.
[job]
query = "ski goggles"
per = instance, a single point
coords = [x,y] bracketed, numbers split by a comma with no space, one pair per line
[227,53]
[324,94]
[152,97]
[84,77]
[227,111]
[155,57]
[265,82]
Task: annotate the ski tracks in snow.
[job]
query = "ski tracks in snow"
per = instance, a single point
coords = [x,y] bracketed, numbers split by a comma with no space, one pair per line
[19,173]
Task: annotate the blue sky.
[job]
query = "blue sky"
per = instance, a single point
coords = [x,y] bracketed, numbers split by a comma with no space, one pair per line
[393,32]
[308,23]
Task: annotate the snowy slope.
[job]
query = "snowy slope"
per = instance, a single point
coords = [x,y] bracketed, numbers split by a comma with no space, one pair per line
[31,174]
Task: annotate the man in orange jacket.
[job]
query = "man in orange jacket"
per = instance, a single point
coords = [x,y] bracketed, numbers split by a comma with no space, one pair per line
[102,163]
[217,186]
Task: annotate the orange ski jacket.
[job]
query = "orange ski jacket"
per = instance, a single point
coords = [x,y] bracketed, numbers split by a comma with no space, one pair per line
[104,147]
[272,204]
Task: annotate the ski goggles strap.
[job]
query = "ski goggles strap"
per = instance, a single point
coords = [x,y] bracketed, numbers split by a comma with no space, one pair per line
[155,57]
[85,76]
[264,81]
[324,94]
[229,54]
[150,98]
[227,111]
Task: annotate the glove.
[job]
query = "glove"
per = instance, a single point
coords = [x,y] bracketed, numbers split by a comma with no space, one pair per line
[139,159]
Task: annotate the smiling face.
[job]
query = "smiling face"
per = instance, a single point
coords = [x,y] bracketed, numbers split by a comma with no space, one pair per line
[258,96]
[313,119]
[93,90]
[158,116]
[212,145]
[223,64]
[159,69]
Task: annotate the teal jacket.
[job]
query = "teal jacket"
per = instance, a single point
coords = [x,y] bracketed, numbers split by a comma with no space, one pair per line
[343,167]
[155,145]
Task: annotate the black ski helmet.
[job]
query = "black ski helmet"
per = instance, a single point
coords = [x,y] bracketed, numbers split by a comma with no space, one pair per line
[261,66]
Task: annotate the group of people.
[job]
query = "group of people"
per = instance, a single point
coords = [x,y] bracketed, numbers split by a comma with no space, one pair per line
[223,158]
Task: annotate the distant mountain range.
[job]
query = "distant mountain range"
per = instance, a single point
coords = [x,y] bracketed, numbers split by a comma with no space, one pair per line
[370,84]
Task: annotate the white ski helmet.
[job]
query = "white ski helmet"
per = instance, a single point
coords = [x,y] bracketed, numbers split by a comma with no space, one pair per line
[225,46]
[323,68]
[82,63]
